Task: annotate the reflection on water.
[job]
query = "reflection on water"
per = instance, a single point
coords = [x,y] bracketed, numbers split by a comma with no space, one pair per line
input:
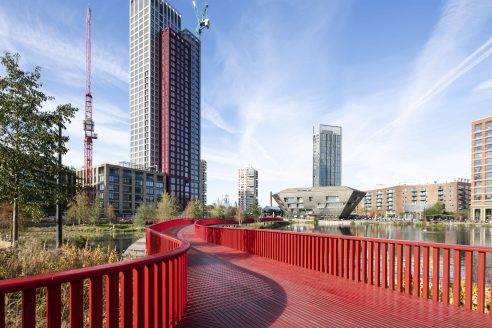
[120,242]
[449,234]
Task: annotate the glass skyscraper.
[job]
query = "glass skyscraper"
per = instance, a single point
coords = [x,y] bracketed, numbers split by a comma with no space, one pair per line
[327,156]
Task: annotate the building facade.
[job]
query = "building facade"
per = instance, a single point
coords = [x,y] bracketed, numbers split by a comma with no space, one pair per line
[203,184]
[323,203]
[327,156]
[147,19]
[247,187]
[126,186]
[481,202]
[180,115]
[412,200]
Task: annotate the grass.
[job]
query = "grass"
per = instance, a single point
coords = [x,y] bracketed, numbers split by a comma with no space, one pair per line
[32,258]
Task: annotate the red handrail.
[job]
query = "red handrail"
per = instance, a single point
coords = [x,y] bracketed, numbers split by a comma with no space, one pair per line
[427,270]
[146,291]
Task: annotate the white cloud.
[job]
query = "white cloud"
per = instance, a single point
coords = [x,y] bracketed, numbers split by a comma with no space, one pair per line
[484,86]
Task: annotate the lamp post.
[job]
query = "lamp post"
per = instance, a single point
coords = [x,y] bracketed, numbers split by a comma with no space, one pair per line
[58,209]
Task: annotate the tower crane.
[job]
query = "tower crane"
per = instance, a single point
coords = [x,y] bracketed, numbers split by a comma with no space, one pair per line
[89,134]
[203,21]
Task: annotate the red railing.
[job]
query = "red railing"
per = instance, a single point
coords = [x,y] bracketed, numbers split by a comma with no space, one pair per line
[428,270]
[149,291]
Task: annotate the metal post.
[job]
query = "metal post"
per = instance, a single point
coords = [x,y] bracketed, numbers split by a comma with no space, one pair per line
[58,209]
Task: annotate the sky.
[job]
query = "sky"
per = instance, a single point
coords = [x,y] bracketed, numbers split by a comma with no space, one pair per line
[404,79]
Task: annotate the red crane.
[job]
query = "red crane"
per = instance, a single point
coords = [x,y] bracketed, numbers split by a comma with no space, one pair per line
[88,122]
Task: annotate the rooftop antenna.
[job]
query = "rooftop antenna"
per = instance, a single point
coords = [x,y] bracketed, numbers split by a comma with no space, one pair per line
[203,21]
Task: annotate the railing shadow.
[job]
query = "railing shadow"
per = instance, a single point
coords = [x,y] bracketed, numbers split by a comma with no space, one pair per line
[222,294]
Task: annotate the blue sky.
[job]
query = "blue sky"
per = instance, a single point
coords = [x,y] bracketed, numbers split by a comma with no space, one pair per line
[403,78]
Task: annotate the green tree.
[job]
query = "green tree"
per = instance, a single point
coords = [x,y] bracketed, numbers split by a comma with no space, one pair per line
[193,210]
[79,209]
[145,212]
[29,141]
[110,215]
[254,211]
[95,211]
[167,208]
[218,211]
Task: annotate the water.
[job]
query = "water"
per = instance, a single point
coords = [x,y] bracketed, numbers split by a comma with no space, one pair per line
[120,242]
[448,234]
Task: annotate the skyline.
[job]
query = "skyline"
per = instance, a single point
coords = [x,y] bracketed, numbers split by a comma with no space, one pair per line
[344,63]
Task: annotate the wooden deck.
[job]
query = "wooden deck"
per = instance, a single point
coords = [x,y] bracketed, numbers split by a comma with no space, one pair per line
[227,288]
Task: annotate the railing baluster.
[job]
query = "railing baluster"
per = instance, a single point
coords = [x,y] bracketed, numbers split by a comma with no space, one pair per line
[96,302]
[378,264]
[391,277]
[112,294]
[468,279]
[364,260]
[2,310]
[29,308]
[138,297]
[77,304]
[456,278]
[371,262]
[53,306]
[126,298]
[149,294]
[408,269]
[481,282]
[425,276]
[435,274]
[416,270]
[352,259]
[445,281]
[399,268]
[384,264]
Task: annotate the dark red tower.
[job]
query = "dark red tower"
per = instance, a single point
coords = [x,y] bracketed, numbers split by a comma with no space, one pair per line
[179,121]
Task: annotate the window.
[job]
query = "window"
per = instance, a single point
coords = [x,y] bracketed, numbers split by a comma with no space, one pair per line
[478,127]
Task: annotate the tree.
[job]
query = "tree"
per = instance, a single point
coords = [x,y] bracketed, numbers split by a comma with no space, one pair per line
[193,210]
[29,141]
[239,216]
[167,208]
[110,215]
[218,211]
[254,211]
[145,212]
[79,209]
[95,210]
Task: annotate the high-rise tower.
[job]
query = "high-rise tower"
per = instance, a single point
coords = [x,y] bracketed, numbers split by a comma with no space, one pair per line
[180,113]
[147,19]
[481,182]
[247,187]
[327,156]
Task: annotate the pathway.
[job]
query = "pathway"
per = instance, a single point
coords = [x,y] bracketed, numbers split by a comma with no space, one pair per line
[228,288]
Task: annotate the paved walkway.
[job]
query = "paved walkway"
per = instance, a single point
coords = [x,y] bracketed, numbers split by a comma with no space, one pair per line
[228,288]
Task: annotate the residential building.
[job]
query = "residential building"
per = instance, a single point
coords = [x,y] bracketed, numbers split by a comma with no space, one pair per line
[481,202]
[247,187]
[126,186]
[203,184]
[412,200]
[323,203]
[180,113]
[327,156]
[147,19]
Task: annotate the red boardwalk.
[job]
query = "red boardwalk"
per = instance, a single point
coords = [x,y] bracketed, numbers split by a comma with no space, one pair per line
[228,288]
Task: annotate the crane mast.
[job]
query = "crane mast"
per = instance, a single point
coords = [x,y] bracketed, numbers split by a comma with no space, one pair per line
[89,134]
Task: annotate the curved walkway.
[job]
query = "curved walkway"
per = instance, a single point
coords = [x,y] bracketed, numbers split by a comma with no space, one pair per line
[227,288]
